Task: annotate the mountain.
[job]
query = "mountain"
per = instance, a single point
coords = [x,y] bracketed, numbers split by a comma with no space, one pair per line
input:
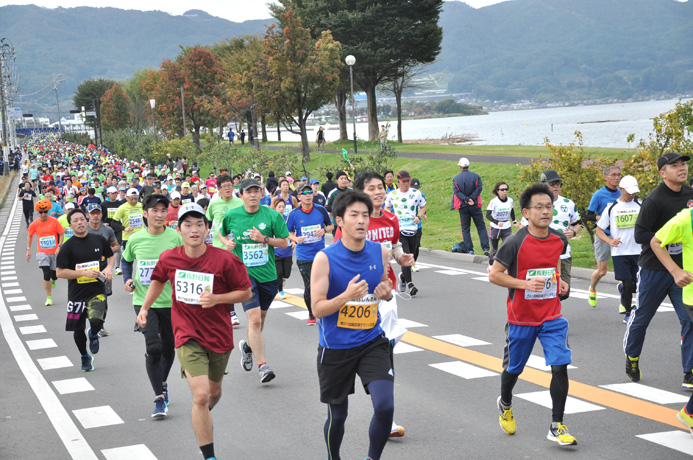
[544,50]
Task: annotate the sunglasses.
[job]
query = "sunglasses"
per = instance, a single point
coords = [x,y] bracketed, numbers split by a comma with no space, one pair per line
[43,212]
[307,192]
[555,183]
[502,189]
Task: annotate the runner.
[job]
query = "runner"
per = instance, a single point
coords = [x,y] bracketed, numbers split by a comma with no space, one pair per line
[146,247]
[283,257]
[345,299]
[619,217]
[600,199]
[27,195]
[307,227]
[109,208]
[69,233]
[532,260]
[284,195]
[409,206]
[500,213]
[81,261]
[212,279]
[654,281]
[49,233]
[130,215]
[172,216]
[256,230]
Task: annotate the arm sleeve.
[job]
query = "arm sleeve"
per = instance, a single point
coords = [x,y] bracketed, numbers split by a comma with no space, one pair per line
[127,269]
[512,215]
[489,217]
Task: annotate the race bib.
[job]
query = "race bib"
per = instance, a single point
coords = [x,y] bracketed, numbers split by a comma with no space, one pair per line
[69,233]
[93,265]
[387,245]
[675,249]
[624,221]
[255,255]
[502,214]
[136,220]
[47,242]
[145,267]
[288,210]
[550,286]
[406,221]
[209,239]
[111,212]
[189,285]
[309,233]
[359,314]
[27,196]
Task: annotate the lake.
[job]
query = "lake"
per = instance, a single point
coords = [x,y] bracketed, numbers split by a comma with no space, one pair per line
[606,125]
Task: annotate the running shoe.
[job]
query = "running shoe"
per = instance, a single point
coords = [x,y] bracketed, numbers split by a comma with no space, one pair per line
[266,374]
[471,252]
[49,301]
[561,435]
[687,381]
[160,408]
[281,295]
[118,271]
[486,252]
[506,419]
[246,356]
[165,392]
[87,363]
[396,431]
[234,319]
[592,299]
[633,368]
[93,343]
[412,289]
[103,332]
[686,419]
[402,283]
[311,322]
[54,283]
[626,318]
[621,310]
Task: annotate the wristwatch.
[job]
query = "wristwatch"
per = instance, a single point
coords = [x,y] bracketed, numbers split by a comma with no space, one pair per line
[267,239]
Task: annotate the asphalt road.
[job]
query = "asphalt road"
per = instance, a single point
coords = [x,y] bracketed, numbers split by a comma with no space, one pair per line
[447,381]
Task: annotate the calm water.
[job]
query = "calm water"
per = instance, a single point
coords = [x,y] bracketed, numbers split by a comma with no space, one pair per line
[530,127]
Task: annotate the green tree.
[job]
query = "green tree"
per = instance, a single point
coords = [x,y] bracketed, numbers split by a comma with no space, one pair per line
[88,95]
[114,108]
[140,110]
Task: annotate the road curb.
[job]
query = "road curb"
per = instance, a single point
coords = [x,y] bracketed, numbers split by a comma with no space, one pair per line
[4,194]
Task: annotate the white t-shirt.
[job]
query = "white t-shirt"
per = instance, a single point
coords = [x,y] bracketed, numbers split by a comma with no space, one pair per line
[500,211]
[621,224]
[405,206]
[564,213]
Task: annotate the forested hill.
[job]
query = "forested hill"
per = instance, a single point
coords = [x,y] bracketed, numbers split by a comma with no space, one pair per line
[523,49]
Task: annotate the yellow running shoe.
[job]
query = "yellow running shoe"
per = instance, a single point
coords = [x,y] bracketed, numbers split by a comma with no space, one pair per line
[506,419]
[561,435]
[686,419]
[592,299]
[49,301]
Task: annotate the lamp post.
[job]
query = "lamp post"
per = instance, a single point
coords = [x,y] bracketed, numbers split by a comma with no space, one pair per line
[152,102]
[350,61]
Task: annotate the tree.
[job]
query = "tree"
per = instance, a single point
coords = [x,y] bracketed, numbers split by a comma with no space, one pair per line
[88,95]
[140,110]
[114,108]
[383,35]
[398,82]
[304,74]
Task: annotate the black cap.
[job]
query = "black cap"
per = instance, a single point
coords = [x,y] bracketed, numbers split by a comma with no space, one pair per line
[305,186]
[550,175]
[415,183]
[669,158]
[249,183]
[403,175]
[152,201]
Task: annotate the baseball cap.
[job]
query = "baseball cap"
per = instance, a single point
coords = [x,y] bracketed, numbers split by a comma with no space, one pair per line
[202,186]
[175,195]
[249,183]
[185,184]
[304,178]
[630,184]
[122,189]
[550,175]
[190,208]
[153,200]
[91,207]
[288,173]
[304,187]
[132,192]
[669,158]
[69,205]
[415,183]
[111,189]
[463,162]
[403,175]
[314,181]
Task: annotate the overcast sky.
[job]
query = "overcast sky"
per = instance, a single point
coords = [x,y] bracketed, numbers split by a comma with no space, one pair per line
[233,10]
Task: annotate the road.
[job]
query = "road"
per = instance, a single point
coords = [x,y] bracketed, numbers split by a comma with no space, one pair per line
[447,382]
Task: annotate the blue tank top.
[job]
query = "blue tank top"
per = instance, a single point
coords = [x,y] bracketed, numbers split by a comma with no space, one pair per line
[357,322]
[288,251]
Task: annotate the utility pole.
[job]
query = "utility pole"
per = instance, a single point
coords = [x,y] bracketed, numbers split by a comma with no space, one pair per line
[6,55]
[182,101]
[56,80]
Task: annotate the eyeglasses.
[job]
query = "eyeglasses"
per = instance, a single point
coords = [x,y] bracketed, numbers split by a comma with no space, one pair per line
[502,189]
[542,208]
[307,192]
[614,175]
[43,212]
[555,183]
[225,185]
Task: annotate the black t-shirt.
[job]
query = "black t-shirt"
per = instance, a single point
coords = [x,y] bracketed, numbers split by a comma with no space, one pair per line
[108,210]
[657,209]
[327,187]
[146,191]
[27,198]
[89,252]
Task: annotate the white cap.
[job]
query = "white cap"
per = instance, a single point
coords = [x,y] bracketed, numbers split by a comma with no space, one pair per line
[111,189]
[188,208]
[69,205]
[288,173]
[175,195]
[630,184]
[132,192]
[463,162]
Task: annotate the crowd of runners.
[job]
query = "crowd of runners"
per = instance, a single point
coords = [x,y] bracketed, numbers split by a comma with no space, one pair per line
[192,248]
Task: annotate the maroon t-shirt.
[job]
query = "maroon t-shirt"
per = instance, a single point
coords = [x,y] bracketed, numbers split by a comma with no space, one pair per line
[210,327]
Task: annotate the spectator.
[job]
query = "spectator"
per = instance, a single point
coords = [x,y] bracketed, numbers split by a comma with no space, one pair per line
[466,198]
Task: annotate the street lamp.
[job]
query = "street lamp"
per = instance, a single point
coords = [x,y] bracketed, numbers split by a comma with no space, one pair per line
[350,61]
[152,102]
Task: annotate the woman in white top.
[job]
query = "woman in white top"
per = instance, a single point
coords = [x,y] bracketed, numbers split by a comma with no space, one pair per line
[500,213]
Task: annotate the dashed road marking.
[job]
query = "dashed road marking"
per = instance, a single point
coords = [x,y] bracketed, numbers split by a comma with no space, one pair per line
[69,386]
[461,340]
[41,344]
[9,284]
[647,393]
[15,299]
[302,315]
[20,307]
[572,405]
[95,417]
[537,362]
[407,323]
[294,291]
[55,362]
[464,370]
[677,440]
[13,291]
[402,348]
[29,317]
[138,451]
[280,304]
[28,330]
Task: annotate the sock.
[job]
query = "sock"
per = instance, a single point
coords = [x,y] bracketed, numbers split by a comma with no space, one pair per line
[207,450]
[259,365]
[689,407]
[505,406]
[554,425]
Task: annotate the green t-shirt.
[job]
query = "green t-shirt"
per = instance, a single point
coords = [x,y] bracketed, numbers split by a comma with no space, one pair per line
[679,231]
[130,216]
[147,248]
[215,214]
[257,257]
[69,233]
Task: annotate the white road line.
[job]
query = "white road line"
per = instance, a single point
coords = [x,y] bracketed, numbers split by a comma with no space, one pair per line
[302,315]
[27,330]
[41,344]
[443,267]
[461,340]
[408,324]
[13,291]
[12,284]
[280,304]
[30,317]
[55,362]
[294,291]
[651,394]
[15,299]
[402,348]
[138,451]
[677,440]
[8,272]
[9,278]
[8,258]
[464,370]
[69,386]
[450,272]
[94,417]
[572,405]
[481,278]
[20,307]
[537,362]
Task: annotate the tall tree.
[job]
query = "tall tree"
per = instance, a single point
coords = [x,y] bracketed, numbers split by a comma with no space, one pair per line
[88,95]
[114,109]
[304,71]
[396,84]
[140,110]
[383,35]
